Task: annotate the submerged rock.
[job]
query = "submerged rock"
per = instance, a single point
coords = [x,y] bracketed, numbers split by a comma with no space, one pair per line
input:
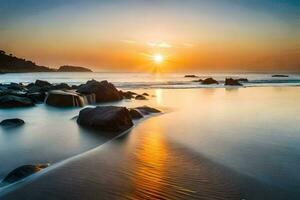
[280,76]
[105,118]
[135,114]
[103,90]
[190,76]
[22,172]
[11,101]
[147,110]
[209,81]
[127,94]
[232,82]
[140,97]
[61,98]
[12,122]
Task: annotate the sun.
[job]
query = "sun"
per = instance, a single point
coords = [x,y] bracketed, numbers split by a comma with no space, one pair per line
[158,58]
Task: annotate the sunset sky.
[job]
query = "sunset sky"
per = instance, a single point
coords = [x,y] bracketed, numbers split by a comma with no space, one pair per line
[124,35]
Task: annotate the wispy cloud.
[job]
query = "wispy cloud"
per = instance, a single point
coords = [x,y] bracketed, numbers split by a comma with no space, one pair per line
[159,44]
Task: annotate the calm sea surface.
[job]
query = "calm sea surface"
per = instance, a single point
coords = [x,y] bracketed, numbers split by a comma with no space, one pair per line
[210,143]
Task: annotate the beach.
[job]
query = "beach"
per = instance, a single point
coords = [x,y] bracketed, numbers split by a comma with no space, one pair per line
[209,143]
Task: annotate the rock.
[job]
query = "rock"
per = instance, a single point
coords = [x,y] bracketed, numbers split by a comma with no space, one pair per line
[190,76]
[11,101]
[209,81]
[37,97]
[199,80]
[12,122]
[105,118]
[232,82]
[280,76]
[145,94]
[242,80]
[140,97]
[22,172]
[41,83]
[135,114]
[61,98]
[127,95]
[68,68]
[61,86]
[74,87]
[103,90]
[15,86]
[147,110]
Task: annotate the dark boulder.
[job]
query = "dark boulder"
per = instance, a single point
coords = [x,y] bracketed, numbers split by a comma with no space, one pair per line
[41,83]
[105,118]
[60,86]
[15,86]
[190,76]
[232,82]
[12,122]
[242,80]
[22,172]
[199,80]
[103,90]
[11,101]
[209,81]
[135,114]
[37,97]
[61,98]
[140,97]
[145,94]
[147,110]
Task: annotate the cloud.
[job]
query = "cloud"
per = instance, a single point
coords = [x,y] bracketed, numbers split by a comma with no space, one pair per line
[159,44]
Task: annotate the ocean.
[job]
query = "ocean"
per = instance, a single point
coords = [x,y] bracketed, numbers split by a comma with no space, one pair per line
[209,143]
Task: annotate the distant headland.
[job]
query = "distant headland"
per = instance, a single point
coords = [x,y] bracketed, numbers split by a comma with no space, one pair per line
[12,64]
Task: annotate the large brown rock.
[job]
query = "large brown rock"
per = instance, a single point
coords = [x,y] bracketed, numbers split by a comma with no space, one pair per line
[103,90]
[12,101]
[105,118]
[61,98]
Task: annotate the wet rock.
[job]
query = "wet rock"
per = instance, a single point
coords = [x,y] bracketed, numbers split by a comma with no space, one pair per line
[103,90]
[61,98]
[15,86]
[140,97]
[147,110]
[280,76]
[232,82]
[61,86]
[199,80]
[190,76]
[128,94]
[209,81]
[11,101]
[74,87]
[135,114]
[12,122]
[37,97]
[22,172]
[41,83]
[242,80]
[105,118]
[145,94]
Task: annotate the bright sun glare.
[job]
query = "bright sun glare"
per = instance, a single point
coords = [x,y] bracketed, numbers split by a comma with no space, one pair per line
[158,58]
